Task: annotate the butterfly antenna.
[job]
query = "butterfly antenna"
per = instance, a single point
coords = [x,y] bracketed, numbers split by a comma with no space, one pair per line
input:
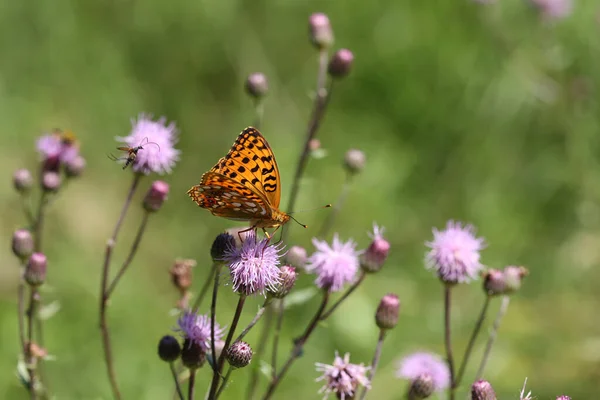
[310,209]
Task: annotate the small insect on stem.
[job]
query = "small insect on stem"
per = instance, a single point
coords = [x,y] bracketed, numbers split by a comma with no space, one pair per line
[131,152]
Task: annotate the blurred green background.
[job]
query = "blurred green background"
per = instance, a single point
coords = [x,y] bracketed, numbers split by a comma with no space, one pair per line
[481,113]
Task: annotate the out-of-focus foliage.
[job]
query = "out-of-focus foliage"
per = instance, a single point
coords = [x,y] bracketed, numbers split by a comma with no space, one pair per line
[481,113]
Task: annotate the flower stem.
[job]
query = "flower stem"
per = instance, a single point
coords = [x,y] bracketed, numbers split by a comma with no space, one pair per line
[351,289]
[26,202]
[221,361]
[259,107]
[488,347]
[132,252]
[213,310]
[21,311]
[278,325]
[448,341]
[110,244]
[39,222]
[260,348]
[225,380]
[177,387]
[322,96]
[205,287]
[29,357]
[297,350]
[256,318]
[375,361]
[330,219]
[191,384]
[476,330]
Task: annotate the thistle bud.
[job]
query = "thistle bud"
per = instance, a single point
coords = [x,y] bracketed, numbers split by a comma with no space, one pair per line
[493,282]
[354,161]
[257,85]
[386,316]
[51,181]
[321,34]
[192,355]
[35,270]
[287,276]
[374,257]
[239,354]
[75,167]
[340,63]
[168,348]
[513,277]
[156,196]
[22,180]
[22,243]
[181,274]
[563,397]
[314,144]
[221,243]
[421,388]
[482,390]
[296,257]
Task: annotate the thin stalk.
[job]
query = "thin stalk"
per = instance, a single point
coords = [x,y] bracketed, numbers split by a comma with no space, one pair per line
[21,311]
[279,324]
[331,217]
[216,374]
[351,289]
[191,384]
[259,107]
[322,96]
[225,380]
[476,330]
[260,348]
[39,222]
[26,202]
[488,347]
[448,341]
[205,287]
[110,244]
[177,386]
[132,253]
[213,311]
[29,359]
[297,350]
[256,318]
[375,361]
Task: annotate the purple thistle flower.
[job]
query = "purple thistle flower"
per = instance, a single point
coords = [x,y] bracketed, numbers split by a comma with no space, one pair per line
[454,253]
[253,266]
[55,151]
[197,329]
[342,378]
[414,365]
[152,158]
[336,265]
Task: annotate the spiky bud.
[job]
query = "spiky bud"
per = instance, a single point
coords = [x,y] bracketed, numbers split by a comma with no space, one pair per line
[320,32]
[168,348]
[421,388]
[22,243]
[257,85]
[192,355]
[221,243]
[287,279]
[493,282]
[340,63]
[156,196]
[374,257]
[386,316]
[181,274]
[35,270]
[75,167]
[239,354]
[482,390]
[22,180]
[51,181]
[354,161]
[296,257]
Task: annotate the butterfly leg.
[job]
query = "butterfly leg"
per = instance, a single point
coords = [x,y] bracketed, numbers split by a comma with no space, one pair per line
[244,231]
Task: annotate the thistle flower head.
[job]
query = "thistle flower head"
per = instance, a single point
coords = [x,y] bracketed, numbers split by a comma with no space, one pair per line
[334,265]
[55,150]
[342,378]
[158,140]
[254,267]
[375,255]
[414,365]
[454,253]
[196,328]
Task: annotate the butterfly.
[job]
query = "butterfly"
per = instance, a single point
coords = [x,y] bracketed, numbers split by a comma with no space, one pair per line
[131,152]
[244,185]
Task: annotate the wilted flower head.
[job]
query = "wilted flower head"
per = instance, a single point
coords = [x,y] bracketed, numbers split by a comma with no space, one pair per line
[417,364]
[454,253]
[56,149]
[196,328]
[342,378]
[158,154]
[335,265]
[254,267]
[375,255]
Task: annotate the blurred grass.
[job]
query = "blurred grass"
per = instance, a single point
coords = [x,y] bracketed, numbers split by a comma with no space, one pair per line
[477,113]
